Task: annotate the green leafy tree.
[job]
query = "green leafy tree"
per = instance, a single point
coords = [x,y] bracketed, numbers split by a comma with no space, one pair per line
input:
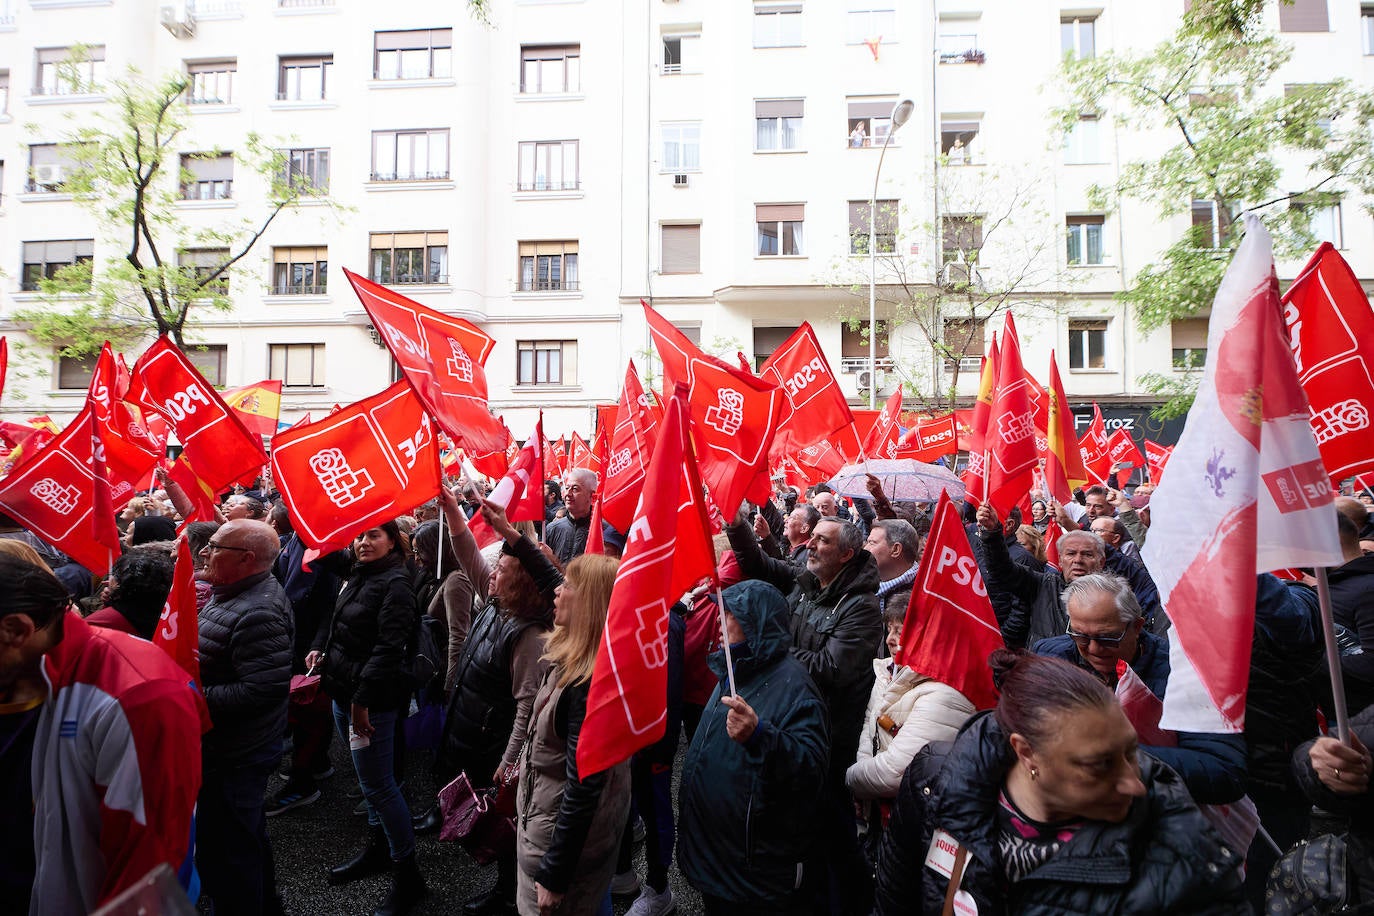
[1241,142]
[126,169]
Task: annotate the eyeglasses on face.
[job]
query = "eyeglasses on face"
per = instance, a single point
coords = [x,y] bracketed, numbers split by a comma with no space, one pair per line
[1106,642]
[212,546]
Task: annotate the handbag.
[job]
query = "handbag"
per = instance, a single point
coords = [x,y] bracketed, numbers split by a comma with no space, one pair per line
[305,689]
[1315,877]
[482,821]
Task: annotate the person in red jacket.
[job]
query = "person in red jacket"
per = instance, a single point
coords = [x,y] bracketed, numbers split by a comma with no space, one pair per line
[110,729]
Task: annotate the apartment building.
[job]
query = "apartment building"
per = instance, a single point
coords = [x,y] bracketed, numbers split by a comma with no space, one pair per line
[541,174]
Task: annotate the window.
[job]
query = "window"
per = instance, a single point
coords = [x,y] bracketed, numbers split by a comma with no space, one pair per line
[884,229]
[297,365]
[206,176]
[549,165]
[211,82]
[854,340]
[4,91]
[870,21]
[777,25]
[1084,240]
[780,229]
[1078,37]
[681,250]
[681,53]
[307,170]
[778,124]
[1367,28]
[304,79]
[1189,342]
[209,361]
[870,119]
[49,166]
[415,55]
[1303,16]
[1311,96]
[1323,220]
[198,264]
[767,341]
[961,238]
[957,136]
[550,69]
[44,261]
[546,362]
[61,72]
[74,372]
[300,271]
[548,266]
[1080,142]
[957,41]
[963,339]
[1087,343]
[1206,231]
[409,155]
[681,146]
[409,257]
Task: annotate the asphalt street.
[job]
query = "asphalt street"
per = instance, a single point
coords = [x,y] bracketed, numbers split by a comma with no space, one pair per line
[308,840]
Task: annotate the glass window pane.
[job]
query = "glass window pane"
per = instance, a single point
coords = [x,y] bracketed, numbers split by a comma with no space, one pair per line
[768,238]
[767,134]
[792,238]
[1094,233]
[526,165]
[1075,254]
[570,270]
[443,63]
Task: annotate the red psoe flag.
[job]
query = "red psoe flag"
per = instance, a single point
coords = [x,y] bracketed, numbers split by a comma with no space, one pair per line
[178,632]
[950,628]
[60,494]
[521,491]
[1124,454]
[667,550]
[1010,441]
[881,441]
[1063,461]
[4,362]
[129,454]
[1331,330]
[356,467]
[930,439]
[1251,495]
[734,417]
[975,475]
[580,454]
[1092,448]
[1156,457]
[813,404]
[216,450]
[628,458]
[822,461]
[442,357]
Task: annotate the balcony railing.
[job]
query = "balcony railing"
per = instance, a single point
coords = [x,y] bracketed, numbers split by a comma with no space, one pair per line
[432,279]
[410,176]
[539,286]
[543,184]
[297,289]
[216,7]
[218,189]
[299,4]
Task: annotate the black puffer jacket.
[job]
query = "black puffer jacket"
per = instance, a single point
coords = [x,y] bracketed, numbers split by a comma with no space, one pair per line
[836,633]
[245,668]
[373,622]
[1164,858]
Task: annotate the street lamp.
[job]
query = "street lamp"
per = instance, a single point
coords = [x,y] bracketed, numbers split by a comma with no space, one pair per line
[900,115]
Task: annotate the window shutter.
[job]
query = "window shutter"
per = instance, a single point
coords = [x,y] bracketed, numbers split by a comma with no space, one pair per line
[870,109]
[1303,16]
[780,108]
[771,213]
[681,250]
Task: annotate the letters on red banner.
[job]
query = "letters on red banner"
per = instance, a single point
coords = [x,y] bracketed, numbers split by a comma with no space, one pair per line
[1156,457]
[1010,443]
[631,444]
[813,404]
[357,467]
[929,439]
[881,441]
[178,630]
[1097,460]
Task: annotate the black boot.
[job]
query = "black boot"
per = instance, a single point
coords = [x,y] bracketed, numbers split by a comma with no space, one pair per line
[374,859]
[407,888]
[428,822]
[492,903]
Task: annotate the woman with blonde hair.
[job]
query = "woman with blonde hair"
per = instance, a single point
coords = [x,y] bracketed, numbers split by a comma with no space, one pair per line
[1031,539]
[568,823]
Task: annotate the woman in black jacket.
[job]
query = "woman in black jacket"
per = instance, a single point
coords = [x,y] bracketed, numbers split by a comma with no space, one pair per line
[362,663]
[1043,807]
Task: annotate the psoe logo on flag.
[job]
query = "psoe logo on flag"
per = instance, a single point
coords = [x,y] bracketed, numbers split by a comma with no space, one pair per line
[1299,486]
[343,485]
[1346,417]
[459,364]
[60,498]
[1016,427]
[619,462]
[728,415]
[652,632]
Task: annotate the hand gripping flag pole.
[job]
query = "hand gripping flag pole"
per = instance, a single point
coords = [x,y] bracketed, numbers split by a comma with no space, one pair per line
[725,641]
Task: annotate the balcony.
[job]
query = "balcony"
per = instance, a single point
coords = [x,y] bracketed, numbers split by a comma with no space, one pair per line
[302,4]
[544,184]
[414,279]
[218,189]
[547,285]
[961,49]
[297,289]
[851,364]
[410,176]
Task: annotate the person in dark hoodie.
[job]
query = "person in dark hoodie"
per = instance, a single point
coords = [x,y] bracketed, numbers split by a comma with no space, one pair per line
[837,631]
[140,582]
[753,775]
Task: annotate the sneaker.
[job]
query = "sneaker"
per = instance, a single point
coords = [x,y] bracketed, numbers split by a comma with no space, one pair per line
[289,799]
[651,903]
[638,829]
[625,883]
[325,772]
[361,807]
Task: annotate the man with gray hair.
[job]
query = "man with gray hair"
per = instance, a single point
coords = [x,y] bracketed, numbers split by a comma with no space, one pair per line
[567,536]
[896,547]
[245,668]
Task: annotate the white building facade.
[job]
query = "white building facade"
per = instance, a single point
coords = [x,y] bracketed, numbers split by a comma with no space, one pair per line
[542,174]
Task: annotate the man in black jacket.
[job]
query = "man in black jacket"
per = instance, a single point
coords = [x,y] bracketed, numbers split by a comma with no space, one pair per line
[567,536]
[836,630]
[245,668]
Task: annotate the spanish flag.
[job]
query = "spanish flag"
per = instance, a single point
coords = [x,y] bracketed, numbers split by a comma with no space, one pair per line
[257,405]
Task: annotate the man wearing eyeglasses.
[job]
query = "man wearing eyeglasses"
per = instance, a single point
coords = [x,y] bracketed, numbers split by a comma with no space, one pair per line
[245,667]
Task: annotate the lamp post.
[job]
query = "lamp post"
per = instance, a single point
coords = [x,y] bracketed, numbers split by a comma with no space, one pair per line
[900,115]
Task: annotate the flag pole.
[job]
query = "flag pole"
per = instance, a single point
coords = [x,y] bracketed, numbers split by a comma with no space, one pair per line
[1333,657]
[443,528]
[725,641]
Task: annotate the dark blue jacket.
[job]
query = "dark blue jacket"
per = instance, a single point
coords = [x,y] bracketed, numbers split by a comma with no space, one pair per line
[1151,661]
[749,810]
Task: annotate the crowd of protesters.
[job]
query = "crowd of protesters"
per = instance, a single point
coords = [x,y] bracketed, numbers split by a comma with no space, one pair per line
[829,780]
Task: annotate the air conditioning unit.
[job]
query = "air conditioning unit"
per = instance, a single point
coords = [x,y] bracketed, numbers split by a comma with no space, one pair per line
[47,176]
[179,19]
[679,181]
[870,379]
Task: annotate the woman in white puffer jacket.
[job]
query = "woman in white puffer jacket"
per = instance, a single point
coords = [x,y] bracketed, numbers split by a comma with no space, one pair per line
[906,711]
